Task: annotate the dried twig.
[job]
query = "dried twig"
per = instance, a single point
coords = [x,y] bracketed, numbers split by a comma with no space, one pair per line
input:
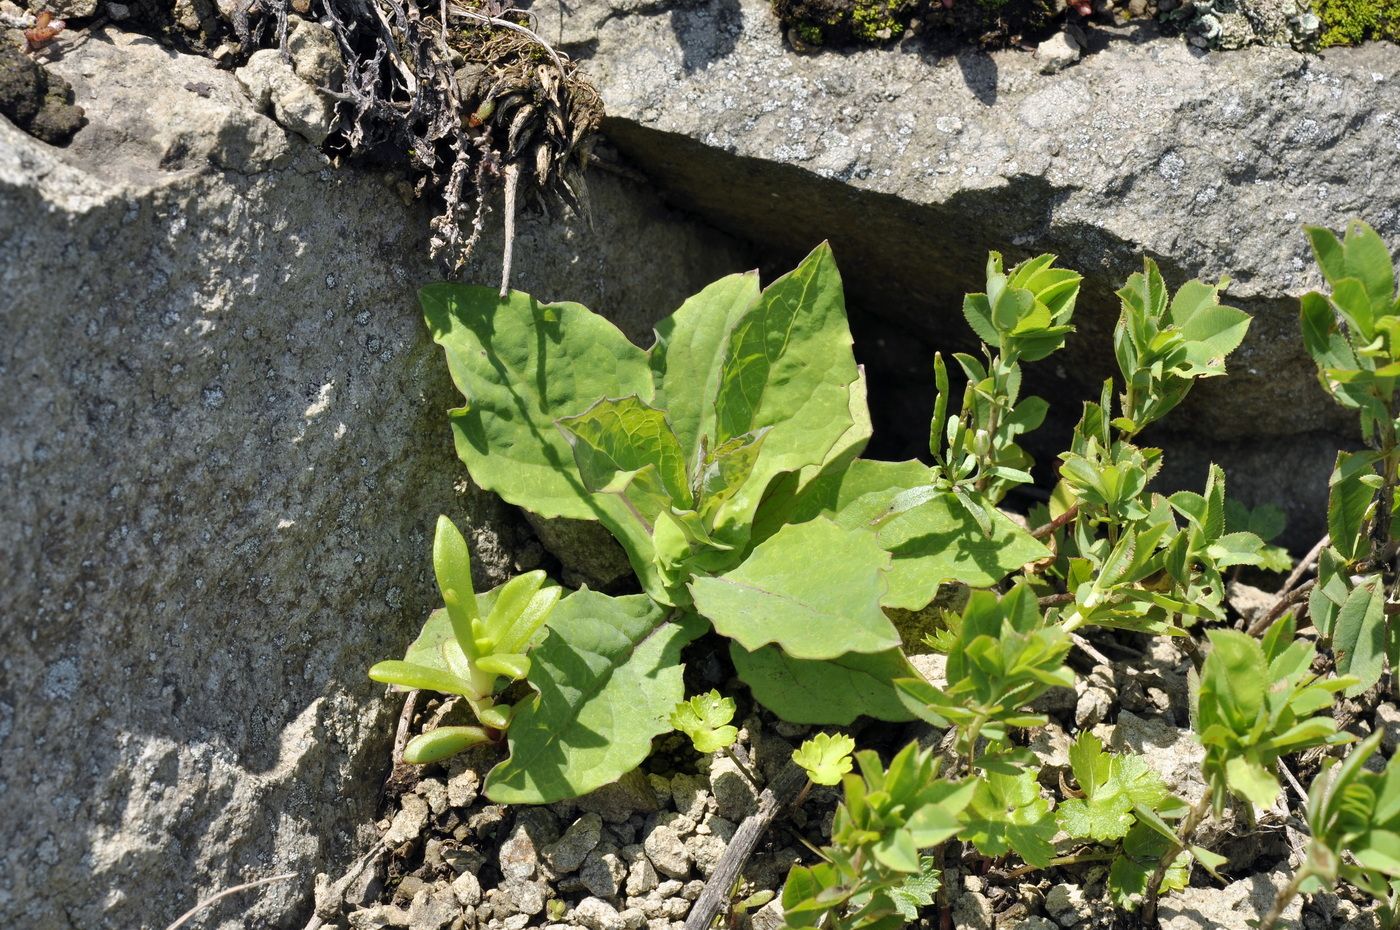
[212,899]
[779,793]
[1308,561]
[512,180]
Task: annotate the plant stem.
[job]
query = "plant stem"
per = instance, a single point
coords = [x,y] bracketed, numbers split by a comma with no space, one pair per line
[1285,896]
[1183,839]
[1079,859]
[1048,529]
[744,769]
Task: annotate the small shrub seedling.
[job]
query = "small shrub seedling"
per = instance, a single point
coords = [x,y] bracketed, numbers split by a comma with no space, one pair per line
[726,461]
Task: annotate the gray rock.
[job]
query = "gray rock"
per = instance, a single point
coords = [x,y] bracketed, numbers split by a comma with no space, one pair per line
[434,791]
[294,102]
[1228,908]
[596,914]
[666,851]
[462,788]
[527,898]
[409,822]
[641,874]
[590,555]
[633,918]
[467,888]
[519,856]
[1097,695]
[1066,904]
[69,9]
[1140,148]
[1035,922]
[433,910]
[620,800]
[972,911]
[35,98]
[381,915]
[768,917]
[603,873]
[221,476]
[690,794]
[568,853]
[315,54]
[705,851]
[734,794]
[933,666]
[1388,723]
[1057,53]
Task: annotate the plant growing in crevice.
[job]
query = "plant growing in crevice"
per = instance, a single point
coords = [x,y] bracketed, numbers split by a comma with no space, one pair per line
[726,461]
[469,646]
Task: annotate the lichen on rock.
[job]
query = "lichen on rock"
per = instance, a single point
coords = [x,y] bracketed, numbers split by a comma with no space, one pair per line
[35,99]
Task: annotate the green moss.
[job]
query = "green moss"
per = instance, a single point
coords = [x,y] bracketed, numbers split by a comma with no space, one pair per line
[1351,22]
[874,21]
[809,33]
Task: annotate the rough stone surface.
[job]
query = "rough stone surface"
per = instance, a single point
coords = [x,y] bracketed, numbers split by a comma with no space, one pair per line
[578,841]
[223,445]
[1208,164]
[292,100]
[1238,904]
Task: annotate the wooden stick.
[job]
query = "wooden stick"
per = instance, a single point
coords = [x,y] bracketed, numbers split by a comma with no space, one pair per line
[779,793]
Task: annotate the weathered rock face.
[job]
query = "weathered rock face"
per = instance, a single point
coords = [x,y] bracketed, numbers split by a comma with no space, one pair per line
[222,448]
[915,163]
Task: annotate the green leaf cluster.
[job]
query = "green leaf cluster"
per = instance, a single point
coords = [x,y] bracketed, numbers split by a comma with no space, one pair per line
[872,875]
[471,646]
[1256,702]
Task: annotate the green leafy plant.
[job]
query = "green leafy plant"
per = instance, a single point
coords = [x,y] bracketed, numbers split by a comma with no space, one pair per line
[825,758]
[726,461]
[1001,657]
[1353,334]
[1353,817]
[597,664]
[872,874]
[470,646]
[705,719]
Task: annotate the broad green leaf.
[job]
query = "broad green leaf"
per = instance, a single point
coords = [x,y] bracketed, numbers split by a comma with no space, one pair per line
[940,542]
[724,470]
[1358,638]
[1368,260]
[1233,681]
[1008,814]
[1328,250]
[825,757]
[1349,498]
[521,365]
[627,447]
[705,719]
[787,365]
[1211,331]
[813,588]
[685,361]
[607,677]
[1251,781]
[825,691]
